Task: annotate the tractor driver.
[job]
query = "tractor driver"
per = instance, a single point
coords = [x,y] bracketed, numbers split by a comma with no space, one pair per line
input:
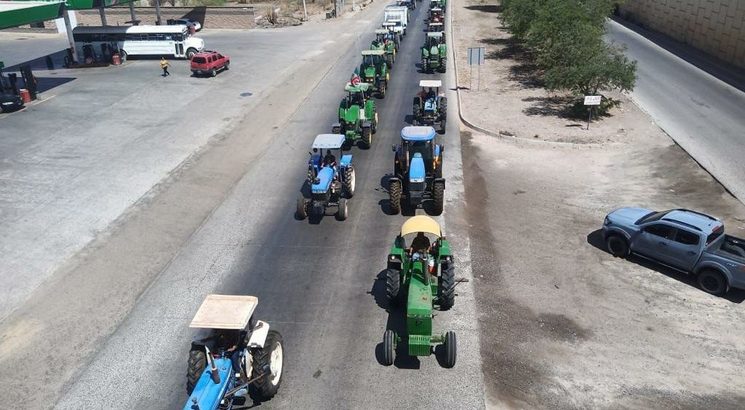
[329,159]
[420,246]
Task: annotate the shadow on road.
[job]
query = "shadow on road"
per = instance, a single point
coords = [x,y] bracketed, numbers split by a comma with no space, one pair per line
[595,239]
[724,71]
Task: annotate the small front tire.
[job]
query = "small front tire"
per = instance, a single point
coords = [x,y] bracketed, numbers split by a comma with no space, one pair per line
[343,212]
[302,209]
[451,351]
[389,347]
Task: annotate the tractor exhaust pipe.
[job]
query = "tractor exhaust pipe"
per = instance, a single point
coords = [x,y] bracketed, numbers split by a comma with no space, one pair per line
[214,375]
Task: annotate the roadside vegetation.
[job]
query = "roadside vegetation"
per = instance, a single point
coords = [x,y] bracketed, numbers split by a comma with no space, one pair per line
[565,38]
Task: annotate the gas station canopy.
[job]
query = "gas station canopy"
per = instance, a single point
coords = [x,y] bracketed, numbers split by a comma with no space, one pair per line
[18,13]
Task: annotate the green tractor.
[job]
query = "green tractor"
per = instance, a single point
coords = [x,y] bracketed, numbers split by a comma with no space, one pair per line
[358,119]
[374,70]
[434,53]
[422,278]
[386,41]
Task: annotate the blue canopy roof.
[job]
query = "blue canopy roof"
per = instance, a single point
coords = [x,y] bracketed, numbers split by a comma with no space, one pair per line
[329,141]
[418,133]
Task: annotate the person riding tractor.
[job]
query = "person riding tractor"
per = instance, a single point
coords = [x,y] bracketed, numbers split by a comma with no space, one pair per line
[434,53]
[384,40]
[374,70]
[429,106]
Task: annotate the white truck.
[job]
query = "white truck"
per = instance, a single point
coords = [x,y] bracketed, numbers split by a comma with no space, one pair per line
[399,15]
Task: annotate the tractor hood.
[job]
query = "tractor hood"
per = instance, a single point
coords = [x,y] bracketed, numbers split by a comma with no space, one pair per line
[207,394]
[352,114]
[417,171]
[323,180]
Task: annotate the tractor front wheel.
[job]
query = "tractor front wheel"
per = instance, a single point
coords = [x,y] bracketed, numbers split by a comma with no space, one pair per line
[343,212]
[267,362]
[349,181]
[446,286]
[366,137]
[438,197]
[394,196]
[389,347]
[450,346]
[302,208]
[393,286]
[197,363]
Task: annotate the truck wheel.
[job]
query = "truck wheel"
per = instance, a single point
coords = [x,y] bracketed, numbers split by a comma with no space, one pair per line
[302,209]
[366,137]
[393,286]
[389,347]
[446,286]
[349,181]
[617,246]
[190,53]
[451,351]
[712,281]
[271,358]
[343,211]
[394,196]
[438,196]
[197,363]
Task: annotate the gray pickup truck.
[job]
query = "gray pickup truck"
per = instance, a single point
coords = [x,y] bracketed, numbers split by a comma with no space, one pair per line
[684,240]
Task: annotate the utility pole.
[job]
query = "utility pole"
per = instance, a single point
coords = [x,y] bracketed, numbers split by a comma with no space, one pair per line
[157,12]
[102,12]
[305,11]
[132,11]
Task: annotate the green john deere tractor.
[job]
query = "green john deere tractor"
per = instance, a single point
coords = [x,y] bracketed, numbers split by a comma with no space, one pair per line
[374,70]
[358,119]
[434,53]
[422,278]
[385,40]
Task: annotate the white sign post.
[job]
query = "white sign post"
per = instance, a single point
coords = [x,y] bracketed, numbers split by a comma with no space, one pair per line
[476,57]
[592,101]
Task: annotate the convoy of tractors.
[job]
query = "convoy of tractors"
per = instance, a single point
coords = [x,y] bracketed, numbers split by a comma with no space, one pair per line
[238,356]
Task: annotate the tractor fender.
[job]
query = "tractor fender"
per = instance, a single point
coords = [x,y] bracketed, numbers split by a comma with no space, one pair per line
[394,261]
[346,160]
[394,179]
[366,124]
[440,180]
[258,335]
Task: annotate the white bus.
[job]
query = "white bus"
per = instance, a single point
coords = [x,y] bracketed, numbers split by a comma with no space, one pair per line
[174,41]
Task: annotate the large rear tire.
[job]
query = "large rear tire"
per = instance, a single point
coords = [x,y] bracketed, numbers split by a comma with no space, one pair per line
[349,181]
[713,282]
[271,356]
[393,286]
[394,196]
[438,198]
[446,286]
[196,366]
[451,350]
[366,137]
[389,347]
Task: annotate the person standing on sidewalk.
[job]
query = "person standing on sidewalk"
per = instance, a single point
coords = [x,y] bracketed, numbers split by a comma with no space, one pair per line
[164,65]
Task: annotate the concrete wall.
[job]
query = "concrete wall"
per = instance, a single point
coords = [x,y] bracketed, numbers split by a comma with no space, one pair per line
[716,27]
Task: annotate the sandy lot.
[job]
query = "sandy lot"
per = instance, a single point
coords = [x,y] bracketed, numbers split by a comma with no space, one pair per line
[564,324]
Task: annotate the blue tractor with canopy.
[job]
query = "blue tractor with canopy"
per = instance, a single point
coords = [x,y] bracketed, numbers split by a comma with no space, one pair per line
[417,171]
[236,357]
[331,178]
[430,106]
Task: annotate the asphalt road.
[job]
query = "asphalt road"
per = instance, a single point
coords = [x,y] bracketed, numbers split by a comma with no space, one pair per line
[701,113]
[316,282]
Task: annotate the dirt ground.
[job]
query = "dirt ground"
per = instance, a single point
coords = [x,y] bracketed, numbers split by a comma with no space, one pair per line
[563,323]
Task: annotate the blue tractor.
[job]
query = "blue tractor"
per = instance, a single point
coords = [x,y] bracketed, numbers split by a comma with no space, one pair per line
[417,171]
[236,357]
[331,181]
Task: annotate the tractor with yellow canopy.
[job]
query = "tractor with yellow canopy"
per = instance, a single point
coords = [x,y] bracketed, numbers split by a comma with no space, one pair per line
[421,277]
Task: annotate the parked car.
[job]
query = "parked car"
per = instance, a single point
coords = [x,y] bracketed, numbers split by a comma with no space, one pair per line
[10,102]
[188,22]
[209,62]
[685,240]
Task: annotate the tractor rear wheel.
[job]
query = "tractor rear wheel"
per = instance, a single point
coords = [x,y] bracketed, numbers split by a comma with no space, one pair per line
[271,358]
[381,89]
[197,363]
[349,181]
[451,351]
[443,125]
[302,208]
[393,286]
[394,196]
[389,347]
[446,286]
[366,137]
[438,196]
[343,212]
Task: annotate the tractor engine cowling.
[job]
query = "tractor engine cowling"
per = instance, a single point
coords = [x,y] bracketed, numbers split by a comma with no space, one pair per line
[419,312]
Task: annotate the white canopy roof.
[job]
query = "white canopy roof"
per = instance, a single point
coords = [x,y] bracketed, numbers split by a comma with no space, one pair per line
[430,83]
[329,141]
[225,312]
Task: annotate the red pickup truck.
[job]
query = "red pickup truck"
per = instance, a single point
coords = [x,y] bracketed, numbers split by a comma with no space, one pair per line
[209,62]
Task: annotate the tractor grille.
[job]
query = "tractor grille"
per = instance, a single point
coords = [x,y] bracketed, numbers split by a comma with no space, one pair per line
[416,186]
[419,345]
[322,197]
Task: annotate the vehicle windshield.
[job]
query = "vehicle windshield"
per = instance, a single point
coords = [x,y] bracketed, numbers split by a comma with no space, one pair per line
[652,216]
[422,147]
[368,60]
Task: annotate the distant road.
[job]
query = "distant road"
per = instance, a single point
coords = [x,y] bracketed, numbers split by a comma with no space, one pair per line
[702,114]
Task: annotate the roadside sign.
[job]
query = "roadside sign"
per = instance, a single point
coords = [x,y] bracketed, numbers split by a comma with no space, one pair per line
[476,55]
[592,99]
